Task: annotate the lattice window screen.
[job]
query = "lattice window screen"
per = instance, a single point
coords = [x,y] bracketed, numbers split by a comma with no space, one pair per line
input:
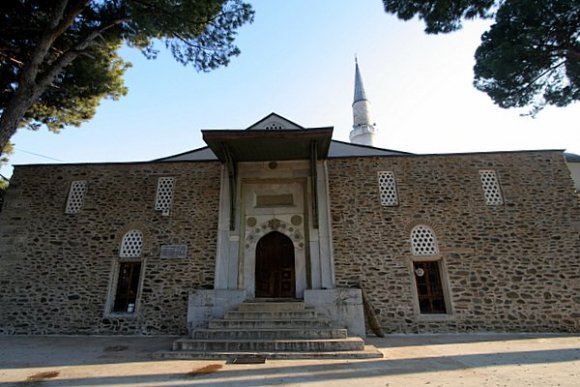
[76,196]
[490,185]
[387,188]
[164,194]
[131,244]
[423,241]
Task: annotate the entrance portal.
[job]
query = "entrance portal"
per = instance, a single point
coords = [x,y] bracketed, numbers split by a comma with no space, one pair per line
[275,268]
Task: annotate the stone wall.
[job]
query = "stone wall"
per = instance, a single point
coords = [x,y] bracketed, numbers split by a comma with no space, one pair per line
[56,269]
[511,267]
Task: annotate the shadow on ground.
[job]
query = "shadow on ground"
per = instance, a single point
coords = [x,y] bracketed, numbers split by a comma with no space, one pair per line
[342,371]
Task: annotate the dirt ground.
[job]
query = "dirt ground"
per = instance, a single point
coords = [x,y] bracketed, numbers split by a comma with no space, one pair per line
[410,360]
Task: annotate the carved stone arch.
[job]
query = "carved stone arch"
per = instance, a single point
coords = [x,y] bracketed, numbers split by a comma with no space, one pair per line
[258,228]
[274,224]
[434,225]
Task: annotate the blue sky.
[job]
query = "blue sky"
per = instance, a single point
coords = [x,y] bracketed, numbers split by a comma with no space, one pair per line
[298,61]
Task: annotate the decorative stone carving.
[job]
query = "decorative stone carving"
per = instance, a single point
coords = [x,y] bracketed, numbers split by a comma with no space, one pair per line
[296,220]
[274,224]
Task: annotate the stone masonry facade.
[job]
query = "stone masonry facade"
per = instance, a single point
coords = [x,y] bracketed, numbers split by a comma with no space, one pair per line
[56,269]
[509,267]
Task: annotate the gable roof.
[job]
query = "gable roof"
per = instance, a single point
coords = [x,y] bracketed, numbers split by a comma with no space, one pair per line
[268,127]
[274,121]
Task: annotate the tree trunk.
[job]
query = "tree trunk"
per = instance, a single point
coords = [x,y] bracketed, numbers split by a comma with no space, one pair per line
[31,85]
[12,115]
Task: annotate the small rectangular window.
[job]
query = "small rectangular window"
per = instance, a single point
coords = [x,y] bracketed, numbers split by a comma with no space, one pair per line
[387,188]
[491,189]
[76,196]
[164,194]
[127,287]
[429,287]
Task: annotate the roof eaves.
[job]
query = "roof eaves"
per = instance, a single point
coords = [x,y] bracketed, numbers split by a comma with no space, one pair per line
[181,154]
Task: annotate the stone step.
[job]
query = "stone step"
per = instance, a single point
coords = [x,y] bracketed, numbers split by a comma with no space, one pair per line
[268,334]
[270,324]
[270,315]
[369,352]
[254,306]
[274,329]
[298,345]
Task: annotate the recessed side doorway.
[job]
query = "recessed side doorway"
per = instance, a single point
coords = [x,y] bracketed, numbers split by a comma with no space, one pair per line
[275,267]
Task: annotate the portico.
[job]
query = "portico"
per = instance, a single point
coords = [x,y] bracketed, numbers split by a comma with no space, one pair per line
[274,238]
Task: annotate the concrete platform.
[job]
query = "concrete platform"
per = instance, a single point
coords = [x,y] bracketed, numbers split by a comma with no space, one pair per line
[409,360]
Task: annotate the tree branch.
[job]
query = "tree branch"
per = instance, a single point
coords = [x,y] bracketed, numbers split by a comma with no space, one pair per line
[67,57]
[529,84]
[54,29]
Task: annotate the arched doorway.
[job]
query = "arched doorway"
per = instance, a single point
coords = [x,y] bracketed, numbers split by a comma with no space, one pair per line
[275,270]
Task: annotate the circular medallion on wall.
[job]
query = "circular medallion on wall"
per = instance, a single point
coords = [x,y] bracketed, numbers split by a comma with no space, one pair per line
[251,221]
[296,220]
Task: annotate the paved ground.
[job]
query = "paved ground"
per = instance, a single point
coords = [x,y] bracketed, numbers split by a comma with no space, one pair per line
[410,360]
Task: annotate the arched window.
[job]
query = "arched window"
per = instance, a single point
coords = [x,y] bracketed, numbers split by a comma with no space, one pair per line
[131,244]
[125,292]
[423,241]
[427,271]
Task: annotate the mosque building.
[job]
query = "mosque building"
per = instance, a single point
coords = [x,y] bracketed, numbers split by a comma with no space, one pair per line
[282,213]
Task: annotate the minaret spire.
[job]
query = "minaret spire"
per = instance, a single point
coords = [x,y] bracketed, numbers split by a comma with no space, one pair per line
[363,130]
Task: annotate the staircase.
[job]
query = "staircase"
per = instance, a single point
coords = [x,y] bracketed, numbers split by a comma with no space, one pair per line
[273,329]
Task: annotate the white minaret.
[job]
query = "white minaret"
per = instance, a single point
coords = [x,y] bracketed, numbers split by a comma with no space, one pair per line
[363,130]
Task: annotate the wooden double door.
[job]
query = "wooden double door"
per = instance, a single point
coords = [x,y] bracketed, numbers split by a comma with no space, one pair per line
[275,267]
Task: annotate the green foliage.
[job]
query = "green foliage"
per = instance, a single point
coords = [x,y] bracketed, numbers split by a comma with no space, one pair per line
[75,95]
[530,57]
[58,59]
[7,151]
[441,16]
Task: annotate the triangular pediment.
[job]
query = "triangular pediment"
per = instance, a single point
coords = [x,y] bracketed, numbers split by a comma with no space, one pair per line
[275,121]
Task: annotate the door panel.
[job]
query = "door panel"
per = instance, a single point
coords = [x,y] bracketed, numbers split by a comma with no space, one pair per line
[275,268]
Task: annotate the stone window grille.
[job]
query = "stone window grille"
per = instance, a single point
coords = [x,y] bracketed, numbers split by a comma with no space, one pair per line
[164,194]
[423,241]
[491,189]
[132,244]
[76,196]
[387,188]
